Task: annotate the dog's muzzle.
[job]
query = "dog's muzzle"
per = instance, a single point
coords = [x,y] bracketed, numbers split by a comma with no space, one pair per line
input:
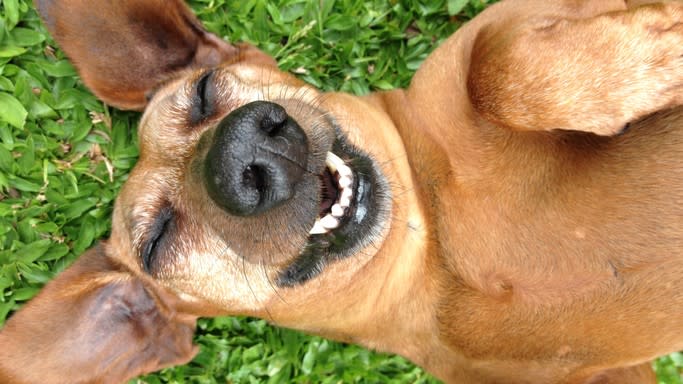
[258,155]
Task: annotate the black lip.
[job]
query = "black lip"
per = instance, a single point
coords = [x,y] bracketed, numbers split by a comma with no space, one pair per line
[360,226]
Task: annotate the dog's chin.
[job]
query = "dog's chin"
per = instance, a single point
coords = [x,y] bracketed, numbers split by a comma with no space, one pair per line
[354,212]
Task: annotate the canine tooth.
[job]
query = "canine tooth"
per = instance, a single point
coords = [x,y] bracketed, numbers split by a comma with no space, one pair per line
[318,228]
[333,162]
[337,210]
[344,181]
[329,222]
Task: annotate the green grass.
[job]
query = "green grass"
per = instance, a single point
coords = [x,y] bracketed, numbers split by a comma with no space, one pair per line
[64,155]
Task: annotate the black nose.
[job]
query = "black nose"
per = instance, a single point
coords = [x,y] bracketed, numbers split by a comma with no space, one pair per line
[258,156]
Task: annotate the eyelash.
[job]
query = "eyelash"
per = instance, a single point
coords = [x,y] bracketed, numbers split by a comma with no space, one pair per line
[203,95]
[157,233]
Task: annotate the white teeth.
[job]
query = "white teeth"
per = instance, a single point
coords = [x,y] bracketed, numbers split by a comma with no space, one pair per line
[329,222]
[334,162]
[345,181]
[318,228]
[344,171]
[324,225]
[345,199]
[337,210]
[345,202]
[332,220]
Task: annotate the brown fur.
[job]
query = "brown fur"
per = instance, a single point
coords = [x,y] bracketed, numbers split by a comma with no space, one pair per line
[531,238]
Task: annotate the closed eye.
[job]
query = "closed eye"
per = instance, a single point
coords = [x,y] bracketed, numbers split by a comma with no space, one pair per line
[156,238]
[203,98]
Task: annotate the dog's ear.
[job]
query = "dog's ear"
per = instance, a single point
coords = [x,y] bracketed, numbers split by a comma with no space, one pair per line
[594,74]
[126,48]
[95,323]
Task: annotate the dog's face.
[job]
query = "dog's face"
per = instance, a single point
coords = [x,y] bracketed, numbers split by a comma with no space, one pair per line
[252,186]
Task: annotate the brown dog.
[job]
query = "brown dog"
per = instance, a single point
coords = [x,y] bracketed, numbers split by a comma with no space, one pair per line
[494,223]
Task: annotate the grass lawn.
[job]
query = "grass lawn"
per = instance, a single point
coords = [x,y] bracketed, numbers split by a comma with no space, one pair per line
[64,155]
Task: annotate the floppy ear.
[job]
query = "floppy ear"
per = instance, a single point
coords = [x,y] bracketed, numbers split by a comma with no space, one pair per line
[95,323]
[124,49]
[596,74]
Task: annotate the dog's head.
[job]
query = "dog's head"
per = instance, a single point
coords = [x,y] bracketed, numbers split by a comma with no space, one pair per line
[254,192]
[251,186]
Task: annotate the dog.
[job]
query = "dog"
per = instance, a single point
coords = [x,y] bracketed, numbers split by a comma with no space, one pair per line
[514,216]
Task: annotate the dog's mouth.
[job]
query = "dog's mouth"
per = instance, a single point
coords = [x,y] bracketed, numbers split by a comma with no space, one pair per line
[354,206]
[337,191]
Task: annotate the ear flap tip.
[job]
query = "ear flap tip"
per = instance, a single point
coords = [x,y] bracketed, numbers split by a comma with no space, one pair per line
[109,331]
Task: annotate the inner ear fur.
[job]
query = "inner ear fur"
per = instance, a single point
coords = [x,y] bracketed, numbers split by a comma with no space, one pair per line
[124,49]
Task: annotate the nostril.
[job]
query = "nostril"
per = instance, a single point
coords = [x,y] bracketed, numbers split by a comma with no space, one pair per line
[272,128]
[273,123]
[254,177]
